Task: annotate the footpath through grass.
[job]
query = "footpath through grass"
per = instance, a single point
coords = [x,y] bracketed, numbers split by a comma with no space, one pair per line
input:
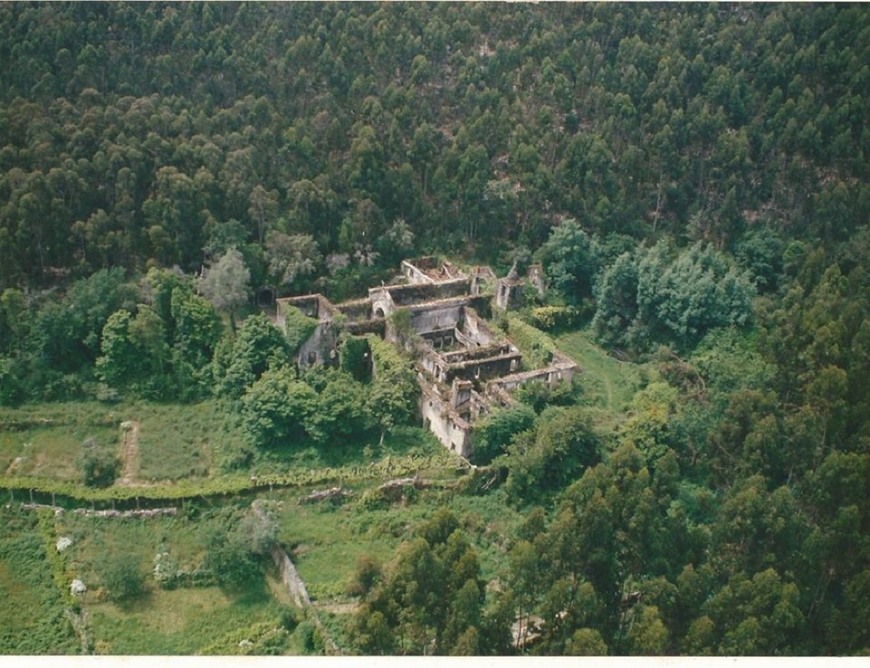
[609,383]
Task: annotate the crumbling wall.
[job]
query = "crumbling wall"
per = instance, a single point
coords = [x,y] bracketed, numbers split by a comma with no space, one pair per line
[414,270]
[290,576]
[434,317]
[447,426]
[319,348]
[406,295]
[382,302]
[358,309]
[475,330]
[483,369]
[561,370]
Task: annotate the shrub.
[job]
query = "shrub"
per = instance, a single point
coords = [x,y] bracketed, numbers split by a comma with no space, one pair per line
[97,463]
[549,318]
[122,577]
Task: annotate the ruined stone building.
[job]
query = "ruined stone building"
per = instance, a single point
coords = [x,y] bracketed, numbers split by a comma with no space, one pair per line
[464,368]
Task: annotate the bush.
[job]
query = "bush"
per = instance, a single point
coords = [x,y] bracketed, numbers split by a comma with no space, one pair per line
[309,634]
[368,572]
[122,577]
[289,618]
[97,463]
[550,318]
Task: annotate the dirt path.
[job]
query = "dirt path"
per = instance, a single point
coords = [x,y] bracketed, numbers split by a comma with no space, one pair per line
[131,454]
[338,608]
[13,466]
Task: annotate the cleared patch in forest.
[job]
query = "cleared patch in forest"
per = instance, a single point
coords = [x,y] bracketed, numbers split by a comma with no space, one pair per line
[609,383]
[178,441]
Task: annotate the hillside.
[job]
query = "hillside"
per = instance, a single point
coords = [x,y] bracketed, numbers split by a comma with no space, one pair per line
[694,182]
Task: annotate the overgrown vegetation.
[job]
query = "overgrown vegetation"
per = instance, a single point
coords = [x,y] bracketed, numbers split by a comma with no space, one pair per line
[693,179]
[31,607]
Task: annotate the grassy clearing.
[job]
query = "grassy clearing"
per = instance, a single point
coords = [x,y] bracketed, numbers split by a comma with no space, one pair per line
[31,608]
[49,452]
[178,441]
[608,383]
[138,539]
[325,541]
[181,621]
[44,440]
[401,442]
[175,441]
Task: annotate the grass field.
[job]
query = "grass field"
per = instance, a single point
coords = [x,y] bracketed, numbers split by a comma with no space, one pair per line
[177,441]
[609,383]
[137,539]
[325,541]
[49,451]
[401,442]
[174,441]
[181,621]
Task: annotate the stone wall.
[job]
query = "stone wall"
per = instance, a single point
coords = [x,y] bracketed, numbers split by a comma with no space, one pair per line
[319,348]
[448,427]
[444,315]
[406,295]
[358,309]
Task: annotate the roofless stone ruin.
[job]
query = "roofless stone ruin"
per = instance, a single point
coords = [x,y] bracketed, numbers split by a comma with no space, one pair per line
[464,369]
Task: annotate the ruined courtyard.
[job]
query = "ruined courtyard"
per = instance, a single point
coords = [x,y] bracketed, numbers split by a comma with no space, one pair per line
[464,368]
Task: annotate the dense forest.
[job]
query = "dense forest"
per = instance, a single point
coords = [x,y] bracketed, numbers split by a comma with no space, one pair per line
[693,177]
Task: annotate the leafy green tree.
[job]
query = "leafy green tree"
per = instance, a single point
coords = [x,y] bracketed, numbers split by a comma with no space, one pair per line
[757,616]
[119,361]
[429,597]
[279,409]
[341,413]
[648,635]
[571,259]
[848,629]
[587,642]
[234,540]
[226,283]
[494,433]
[617,307]
[67,333]
[761,252]
[197,331]
[14,321]
[258,346]
[290,257]
[681,300]
[542,462]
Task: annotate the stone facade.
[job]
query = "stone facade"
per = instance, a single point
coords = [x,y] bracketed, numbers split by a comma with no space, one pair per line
[464,369]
